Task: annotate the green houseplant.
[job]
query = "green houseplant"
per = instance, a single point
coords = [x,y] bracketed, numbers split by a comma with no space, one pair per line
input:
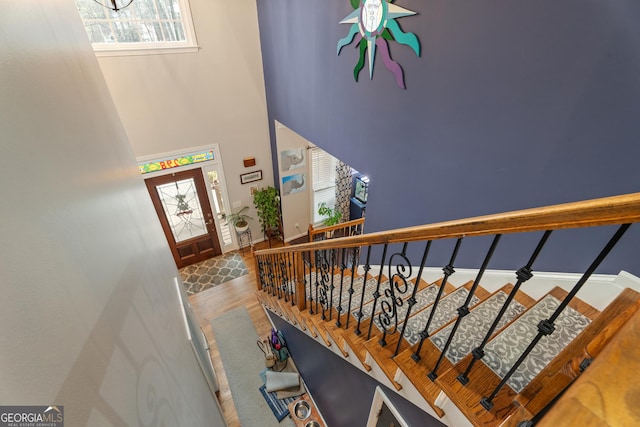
[331,216]
[267,203]
[240,219]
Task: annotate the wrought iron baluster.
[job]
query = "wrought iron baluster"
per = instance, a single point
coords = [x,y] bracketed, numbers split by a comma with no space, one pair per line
[463,310]
[343,266]
[523,274]
[323,270]
[276,278]
[448,271]
[311,269]
[316,255]
[292,277]
[284,279]
[260,273]
[354,265]
[293,258]
[331,286]
[367,267]
[412,300]
[547,326]
[282,283]
[376,294]
[265,266]
[398,286]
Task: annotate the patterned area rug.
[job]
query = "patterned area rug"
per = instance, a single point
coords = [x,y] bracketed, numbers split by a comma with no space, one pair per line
[215,271]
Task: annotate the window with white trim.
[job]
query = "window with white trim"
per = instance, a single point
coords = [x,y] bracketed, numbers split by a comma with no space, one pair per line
[143,26]
[323,173]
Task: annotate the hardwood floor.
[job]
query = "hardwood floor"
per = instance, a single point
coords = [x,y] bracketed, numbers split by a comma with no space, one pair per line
[220,299]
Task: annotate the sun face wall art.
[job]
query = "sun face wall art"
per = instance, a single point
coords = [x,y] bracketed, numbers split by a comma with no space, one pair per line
[373,25]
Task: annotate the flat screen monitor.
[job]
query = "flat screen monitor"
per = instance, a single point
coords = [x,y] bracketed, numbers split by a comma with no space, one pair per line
[361,191]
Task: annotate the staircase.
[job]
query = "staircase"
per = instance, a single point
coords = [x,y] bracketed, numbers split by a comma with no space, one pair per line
[472,350]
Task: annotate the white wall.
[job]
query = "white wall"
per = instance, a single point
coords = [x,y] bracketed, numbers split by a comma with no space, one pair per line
[296,207]
[90,318]
[216,95]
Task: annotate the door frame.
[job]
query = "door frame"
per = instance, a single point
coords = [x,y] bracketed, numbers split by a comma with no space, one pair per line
[204,167]
[193,249]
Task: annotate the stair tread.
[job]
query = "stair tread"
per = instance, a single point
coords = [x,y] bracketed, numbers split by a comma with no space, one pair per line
[367,306]
[424,297]
[445,312]
[589,344]
[338,300]
[473,327]
[417,372]
[483,380]
[503,350]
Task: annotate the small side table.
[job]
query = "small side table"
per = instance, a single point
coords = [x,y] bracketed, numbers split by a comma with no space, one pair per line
[244,239]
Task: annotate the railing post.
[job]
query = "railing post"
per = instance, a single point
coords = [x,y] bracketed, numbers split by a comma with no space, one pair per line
[256,269]
[301,298]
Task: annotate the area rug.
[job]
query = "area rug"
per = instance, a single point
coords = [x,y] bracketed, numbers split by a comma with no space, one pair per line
[243,361]
[211,272]
[279,407]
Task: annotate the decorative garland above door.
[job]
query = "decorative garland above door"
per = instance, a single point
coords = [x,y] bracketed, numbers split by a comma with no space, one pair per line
[374,24]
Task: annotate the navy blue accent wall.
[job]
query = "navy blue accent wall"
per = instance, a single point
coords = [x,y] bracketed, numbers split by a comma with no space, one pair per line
[511,105]
[342,392]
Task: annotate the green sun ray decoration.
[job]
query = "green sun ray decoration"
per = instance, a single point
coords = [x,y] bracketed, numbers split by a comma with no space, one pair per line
[373,26]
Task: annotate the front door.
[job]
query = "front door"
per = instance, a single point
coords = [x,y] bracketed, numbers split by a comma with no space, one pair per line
[183,207]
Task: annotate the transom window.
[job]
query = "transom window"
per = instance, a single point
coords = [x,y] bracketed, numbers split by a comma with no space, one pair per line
[143,25]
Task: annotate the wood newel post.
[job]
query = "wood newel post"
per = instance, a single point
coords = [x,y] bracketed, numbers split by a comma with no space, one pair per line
[256,272]
[301,299]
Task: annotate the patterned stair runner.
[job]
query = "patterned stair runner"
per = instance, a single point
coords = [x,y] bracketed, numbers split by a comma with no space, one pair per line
[346,284]
[446,311]
[424,297]
[504,350]
[475,325]
[368,306]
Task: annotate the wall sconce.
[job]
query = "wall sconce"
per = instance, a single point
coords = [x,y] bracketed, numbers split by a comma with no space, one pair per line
[249,161]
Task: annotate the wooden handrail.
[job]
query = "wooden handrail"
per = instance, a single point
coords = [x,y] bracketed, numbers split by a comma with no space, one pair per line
[603,211]
[314,231]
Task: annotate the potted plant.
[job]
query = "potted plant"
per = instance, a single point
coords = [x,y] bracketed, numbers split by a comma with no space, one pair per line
[267,203]
[240,219]
[331,216]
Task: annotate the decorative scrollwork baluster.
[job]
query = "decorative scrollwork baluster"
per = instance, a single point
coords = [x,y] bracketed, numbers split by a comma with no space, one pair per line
[412,300]
[343,266]
[354,266]
[376,294]
[398,286]
[323,273]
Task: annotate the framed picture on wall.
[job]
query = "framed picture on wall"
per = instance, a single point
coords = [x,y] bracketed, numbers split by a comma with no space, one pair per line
[292,159]
[293,184]
[251,177]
